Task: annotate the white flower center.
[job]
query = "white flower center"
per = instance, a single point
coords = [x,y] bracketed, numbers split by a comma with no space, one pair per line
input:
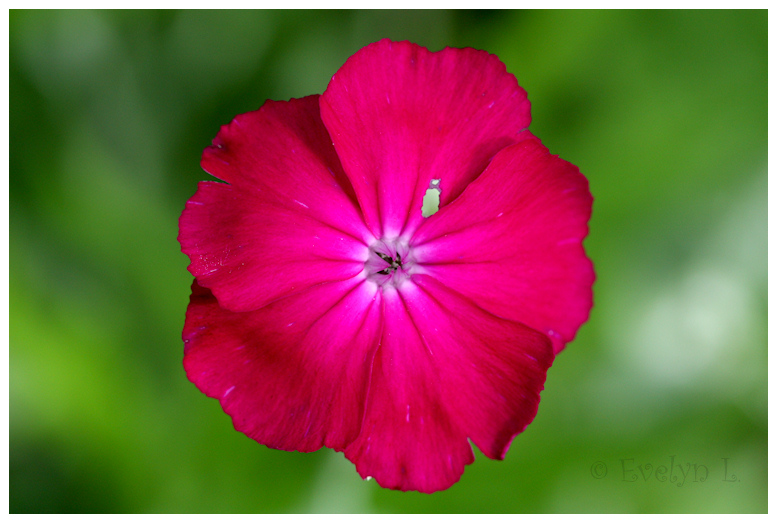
[390,262]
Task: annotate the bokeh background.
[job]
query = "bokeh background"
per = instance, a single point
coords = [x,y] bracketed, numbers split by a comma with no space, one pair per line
[665,112]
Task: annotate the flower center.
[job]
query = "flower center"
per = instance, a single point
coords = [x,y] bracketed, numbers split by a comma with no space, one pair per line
[389,262]
[393,264]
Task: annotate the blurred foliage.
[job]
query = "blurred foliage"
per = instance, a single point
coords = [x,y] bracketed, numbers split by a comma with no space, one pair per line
[664,111]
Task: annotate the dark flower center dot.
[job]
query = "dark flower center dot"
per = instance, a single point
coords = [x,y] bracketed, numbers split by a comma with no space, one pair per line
[394,264]
[390,262]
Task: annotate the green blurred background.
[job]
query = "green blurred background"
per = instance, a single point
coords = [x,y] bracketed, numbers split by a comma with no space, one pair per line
[665,112]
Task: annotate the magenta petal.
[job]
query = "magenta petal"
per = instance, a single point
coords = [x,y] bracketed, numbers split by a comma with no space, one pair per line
[409,438]
[513,242]
[294,374]
[493,370]
[446,371]
[288,218]
[400,116]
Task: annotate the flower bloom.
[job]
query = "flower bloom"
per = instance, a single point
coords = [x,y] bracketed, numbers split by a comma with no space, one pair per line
[329,310]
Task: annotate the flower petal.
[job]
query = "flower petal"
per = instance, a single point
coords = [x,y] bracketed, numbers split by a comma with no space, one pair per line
[494,369]
[513,242]
[288,218]
[409,439]
[400,116]
[445,371]
[294,374]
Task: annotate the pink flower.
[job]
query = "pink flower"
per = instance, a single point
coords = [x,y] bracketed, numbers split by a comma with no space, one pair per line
[329,311]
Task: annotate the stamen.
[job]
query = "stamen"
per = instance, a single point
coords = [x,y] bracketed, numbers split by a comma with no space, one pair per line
[393,264]
[390,263]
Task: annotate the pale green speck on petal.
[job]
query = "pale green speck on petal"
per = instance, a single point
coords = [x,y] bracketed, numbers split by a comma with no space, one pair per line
[431,202]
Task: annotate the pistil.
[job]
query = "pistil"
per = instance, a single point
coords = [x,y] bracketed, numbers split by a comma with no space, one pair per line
[390,261]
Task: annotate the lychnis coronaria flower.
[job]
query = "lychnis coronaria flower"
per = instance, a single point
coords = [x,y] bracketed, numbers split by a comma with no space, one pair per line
[390,267]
